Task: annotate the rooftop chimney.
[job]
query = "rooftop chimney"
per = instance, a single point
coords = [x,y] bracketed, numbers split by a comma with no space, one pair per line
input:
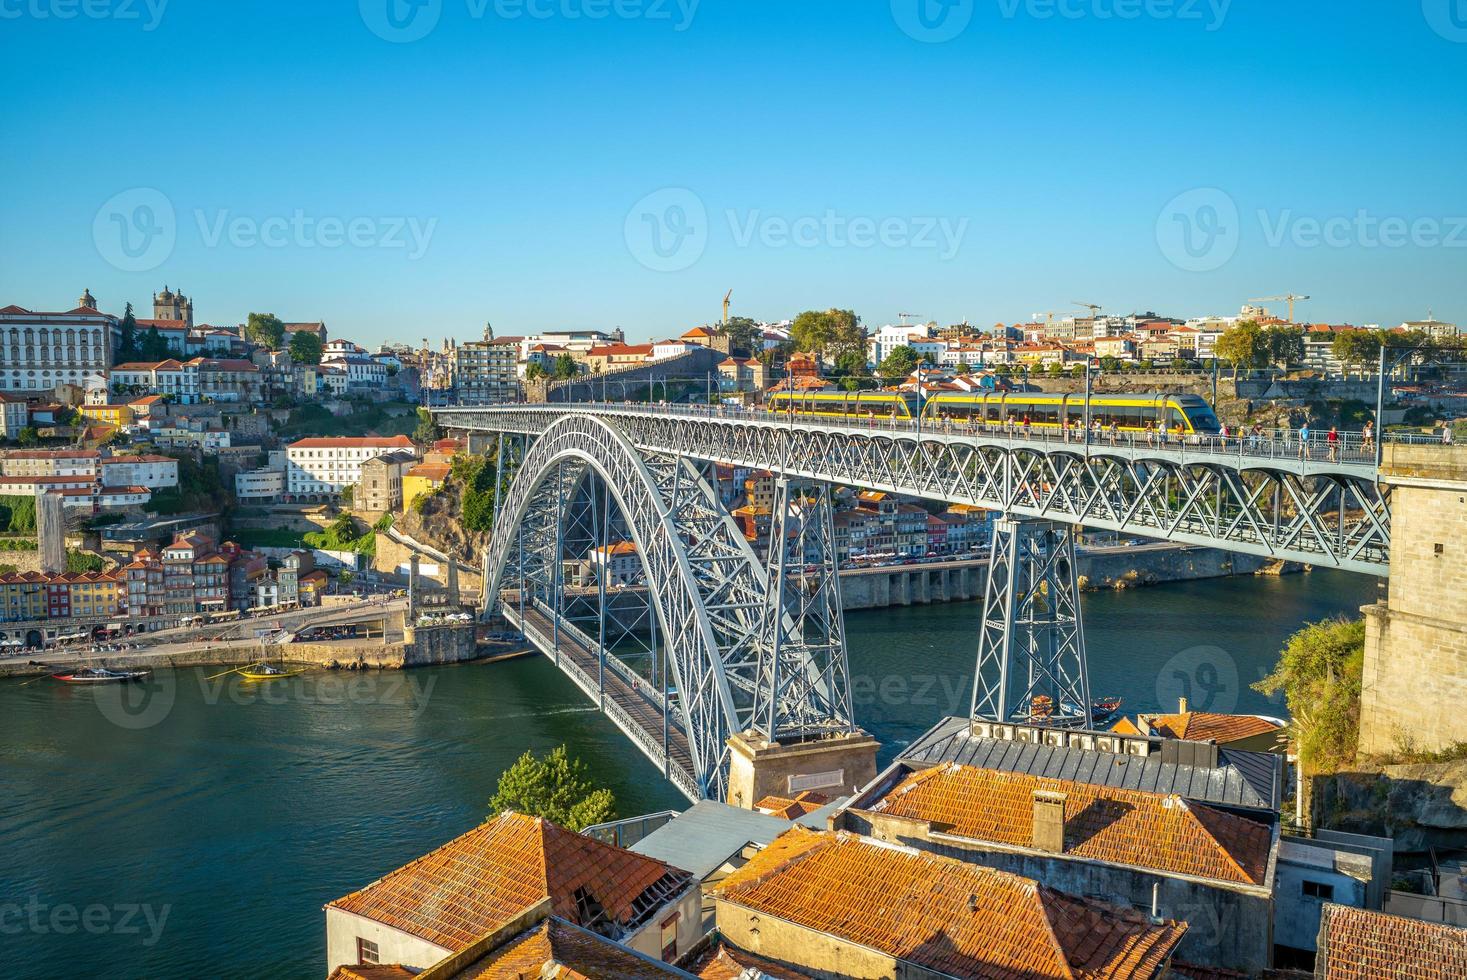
[1049,821]
[1181,706]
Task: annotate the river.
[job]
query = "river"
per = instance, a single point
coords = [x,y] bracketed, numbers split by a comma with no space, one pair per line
[199,833]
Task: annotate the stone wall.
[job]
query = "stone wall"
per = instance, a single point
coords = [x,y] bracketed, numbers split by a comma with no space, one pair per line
[1415,676]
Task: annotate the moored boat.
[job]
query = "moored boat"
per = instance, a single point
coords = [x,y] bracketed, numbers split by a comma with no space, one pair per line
[269,672]
[100,675]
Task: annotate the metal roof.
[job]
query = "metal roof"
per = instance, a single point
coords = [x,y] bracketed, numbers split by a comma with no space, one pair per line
[1253,780]
[703,837]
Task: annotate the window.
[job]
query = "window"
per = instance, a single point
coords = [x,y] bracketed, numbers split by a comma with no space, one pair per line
[366,951]
[669,938]
[1313,889]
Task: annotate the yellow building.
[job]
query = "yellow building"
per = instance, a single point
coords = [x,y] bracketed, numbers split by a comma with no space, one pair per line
[119,415]
[425,478]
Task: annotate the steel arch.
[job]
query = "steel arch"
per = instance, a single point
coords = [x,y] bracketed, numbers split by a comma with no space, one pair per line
[704,581]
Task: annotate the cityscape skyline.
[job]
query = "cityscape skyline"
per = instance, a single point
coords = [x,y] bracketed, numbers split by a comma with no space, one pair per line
[391,204]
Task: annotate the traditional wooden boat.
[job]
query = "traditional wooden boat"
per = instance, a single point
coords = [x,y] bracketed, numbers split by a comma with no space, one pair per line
[269,672]
[1104,709]
[100,675]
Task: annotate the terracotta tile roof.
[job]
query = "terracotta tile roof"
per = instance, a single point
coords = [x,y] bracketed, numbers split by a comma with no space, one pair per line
[476,883]
[1356,944]
[364,971]
[557,949]
[431,471]
[791,809]
[725,962]
[1118,826]
[959,919]
[1205,726]
[353,442]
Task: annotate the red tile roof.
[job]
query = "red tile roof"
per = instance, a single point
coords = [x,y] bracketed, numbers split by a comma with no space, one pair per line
[1205,726]
[478,882]
[790,809]
[557,949]
[1117,826]
[958,919]
[725,962]
[1356,944]
[353,442]
[364,971]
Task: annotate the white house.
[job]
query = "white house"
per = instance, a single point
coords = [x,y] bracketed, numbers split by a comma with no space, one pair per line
[154,472]
[319,468]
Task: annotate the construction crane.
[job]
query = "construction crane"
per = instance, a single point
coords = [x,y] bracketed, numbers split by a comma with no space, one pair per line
[1094,308]
[1291,299]
[905,315]
[1048,318]
[727,296]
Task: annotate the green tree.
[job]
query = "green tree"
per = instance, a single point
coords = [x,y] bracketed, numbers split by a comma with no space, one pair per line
[1055,369]
[266,330]
[851,365]
[565,367]
[557,787]
[899,364]
[1110,365]
[831,332]
[305,347]
[1319,675]
[427,429]
[83,561]
[1356,348]
[535,371]
[153,347]
[28,436]
[1285,344]
[744,336]
[1243,346]
[127,347]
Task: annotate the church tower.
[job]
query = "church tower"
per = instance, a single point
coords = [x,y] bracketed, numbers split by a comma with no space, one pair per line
[87,301]
[169,305]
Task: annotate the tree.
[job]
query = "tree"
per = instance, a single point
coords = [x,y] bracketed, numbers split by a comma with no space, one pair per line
[83,561]
[556,787]
[1110,364]
[535,371]
[565,367]
[153,346]
[127,347]
[1285,345]
[851,365]
[900,363]
[744,335]
[1356,347]
[1055,369]
[305,347]
[1243,345]
[427,429]
[28,436]
[1319,673]
[830,332]
[266,330]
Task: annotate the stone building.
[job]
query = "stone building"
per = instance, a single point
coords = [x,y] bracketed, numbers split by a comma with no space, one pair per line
[380,489]
[169,305]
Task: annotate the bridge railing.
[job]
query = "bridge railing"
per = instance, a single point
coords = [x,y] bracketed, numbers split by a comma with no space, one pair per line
[1351,448]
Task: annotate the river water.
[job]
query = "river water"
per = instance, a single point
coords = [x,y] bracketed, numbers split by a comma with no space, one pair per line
[199,832]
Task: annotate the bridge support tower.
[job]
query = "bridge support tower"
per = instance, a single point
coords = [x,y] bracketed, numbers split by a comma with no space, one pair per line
[802,734]
[1032,644]
[1415,677]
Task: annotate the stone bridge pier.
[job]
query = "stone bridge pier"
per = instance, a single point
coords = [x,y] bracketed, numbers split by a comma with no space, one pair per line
[1415,679]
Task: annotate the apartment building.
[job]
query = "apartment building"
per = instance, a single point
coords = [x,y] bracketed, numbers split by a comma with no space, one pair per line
[26,596]
[487,371]
[320,468]
[154,472]
[39,351]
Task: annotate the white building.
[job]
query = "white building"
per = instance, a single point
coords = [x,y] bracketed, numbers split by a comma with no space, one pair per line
[888,338]
[153,472]
[320,468]
[50,462]
[618,561]
[14,416]
[361,371]
[259,486]
[171,377]
[39,351]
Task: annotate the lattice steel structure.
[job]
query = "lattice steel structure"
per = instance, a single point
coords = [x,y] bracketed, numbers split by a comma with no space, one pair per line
[803,679]
[1250,498]
[706,586]
[1031,648]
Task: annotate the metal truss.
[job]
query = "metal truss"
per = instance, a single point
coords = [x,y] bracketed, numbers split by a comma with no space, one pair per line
[1317,512]
[1031,650]
[704,582]
[803,682]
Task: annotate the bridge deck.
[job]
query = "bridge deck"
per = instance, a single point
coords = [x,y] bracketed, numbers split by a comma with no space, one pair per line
[629,700]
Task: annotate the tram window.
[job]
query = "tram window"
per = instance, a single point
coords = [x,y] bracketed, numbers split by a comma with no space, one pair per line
[1175,419]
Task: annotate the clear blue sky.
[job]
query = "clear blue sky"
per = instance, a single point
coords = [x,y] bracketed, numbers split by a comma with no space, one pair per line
[1058,146]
